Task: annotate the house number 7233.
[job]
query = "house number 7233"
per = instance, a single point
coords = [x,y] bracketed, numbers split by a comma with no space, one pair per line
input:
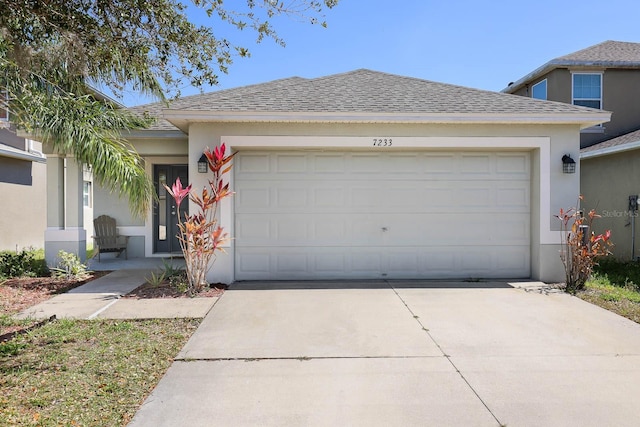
[382,142]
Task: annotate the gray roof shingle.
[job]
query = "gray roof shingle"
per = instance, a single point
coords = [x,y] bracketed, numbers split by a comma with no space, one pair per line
[614,144]
[361,91]
[608,54]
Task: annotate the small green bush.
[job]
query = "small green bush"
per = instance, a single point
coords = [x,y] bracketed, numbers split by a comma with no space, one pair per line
[28,262]
[69,267]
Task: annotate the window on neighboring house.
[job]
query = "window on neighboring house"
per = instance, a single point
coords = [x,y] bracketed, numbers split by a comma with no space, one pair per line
[587,90]
[539,90]
[86,194]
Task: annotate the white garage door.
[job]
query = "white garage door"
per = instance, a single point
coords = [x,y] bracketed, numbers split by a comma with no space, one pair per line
[330,215]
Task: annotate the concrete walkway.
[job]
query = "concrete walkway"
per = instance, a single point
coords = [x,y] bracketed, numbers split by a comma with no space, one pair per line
[101,298]
[402,354]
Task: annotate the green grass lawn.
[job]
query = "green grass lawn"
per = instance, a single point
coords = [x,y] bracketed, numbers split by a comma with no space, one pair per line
[86,373]
[615,287]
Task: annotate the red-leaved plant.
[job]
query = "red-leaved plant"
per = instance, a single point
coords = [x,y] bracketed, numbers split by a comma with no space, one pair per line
[200,234]
[580,246]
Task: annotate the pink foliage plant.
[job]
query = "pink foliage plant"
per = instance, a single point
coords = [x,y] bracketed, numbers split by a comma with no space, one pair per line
[200,234]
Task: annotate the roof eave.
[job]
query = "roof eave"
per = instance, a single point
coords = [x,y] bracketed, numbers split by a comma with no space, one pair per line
[155,133]
[182,118]
[554,64]
[538,72]
[29,156]
[610,150]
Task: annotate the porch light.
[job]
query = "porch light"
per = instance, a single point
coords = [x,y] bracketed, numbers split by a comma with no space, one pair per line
[203,164]
[568,164]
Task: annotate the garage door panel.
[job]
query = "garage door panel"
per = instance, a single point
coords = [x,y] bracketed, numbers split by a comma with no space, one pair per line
[291,163]
[395,263]
[308,215]
[254,198]
[418,230]
[514,165]
[475,164]
[292,263]
[438,164]
[253,163]
[422,196]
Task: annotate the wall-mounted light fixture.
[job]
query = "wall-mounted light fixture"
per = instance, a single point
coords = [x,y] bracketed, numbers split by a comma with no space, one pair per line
[203,164]
[568,164]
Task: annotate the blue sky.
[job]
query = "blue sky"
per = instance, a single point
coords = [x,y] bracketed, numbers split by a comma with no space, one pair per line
[479,44]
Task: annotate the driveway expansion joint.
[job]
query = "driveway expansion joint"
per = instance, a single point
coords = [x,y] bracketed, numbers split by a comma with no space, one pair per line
[445,355]
[299,358]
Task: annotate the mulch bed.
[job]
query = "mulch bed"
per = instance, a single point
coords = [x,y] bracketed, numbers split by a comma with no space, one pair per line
[23,292]
[166,290]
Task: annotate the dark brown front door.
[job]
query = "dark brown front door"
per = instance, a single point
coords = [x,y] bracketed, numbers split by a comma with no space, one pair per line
[165,212]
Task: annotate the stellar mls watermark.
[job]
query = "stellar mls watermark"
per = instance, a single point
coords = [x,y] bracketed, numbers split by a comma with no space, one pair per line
[619,214]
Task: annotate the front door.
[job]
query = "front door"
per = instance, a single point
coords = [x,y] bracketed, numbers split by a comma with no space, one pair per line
[165,213]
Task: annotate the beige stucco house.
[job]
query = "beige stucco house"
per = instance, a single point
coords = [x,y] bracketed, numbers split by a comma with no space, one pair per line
[605,76]
[364,175]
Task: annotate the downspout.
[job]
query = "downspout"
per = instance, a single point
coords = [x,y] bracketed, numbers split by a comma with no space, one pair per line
[633,209]
[64,193]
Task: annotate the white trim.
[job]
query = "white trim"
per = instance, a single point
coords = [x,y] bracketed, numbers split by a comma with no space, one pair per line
[546,93]
[15,153]
[598,73]
[585,119]
[611,150]
[542,143]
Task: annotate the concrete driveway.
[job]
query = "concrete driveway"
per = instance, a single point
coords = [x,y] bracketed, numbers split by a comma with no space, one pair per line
[394,353]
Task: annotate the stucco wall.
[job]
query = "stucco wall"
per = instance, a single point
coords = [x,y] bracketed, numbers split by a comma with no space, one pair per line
[560,191]
[23,219]
[606,183]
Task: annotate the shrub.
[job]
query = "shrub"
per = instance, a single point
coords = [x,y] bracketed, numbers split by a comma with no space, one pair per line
[580,246]
[200,235]
[28,263]
[69,267]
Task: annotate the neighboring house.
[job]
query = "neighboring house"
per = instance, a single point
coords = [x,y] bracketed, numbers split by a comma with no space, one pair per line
[23,189]
[367,175]
[610,181]
[605,76]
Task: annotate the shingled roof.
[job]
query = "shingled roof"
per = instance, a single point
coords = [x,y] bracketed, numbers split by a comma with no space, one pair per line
[360,95]
[626,142]
[608,54]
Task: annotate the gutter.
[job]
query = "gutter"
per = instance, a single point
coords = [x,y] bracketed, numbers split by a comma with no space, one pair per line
[610,150]
[586,119]
[14,153]
[553,64]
